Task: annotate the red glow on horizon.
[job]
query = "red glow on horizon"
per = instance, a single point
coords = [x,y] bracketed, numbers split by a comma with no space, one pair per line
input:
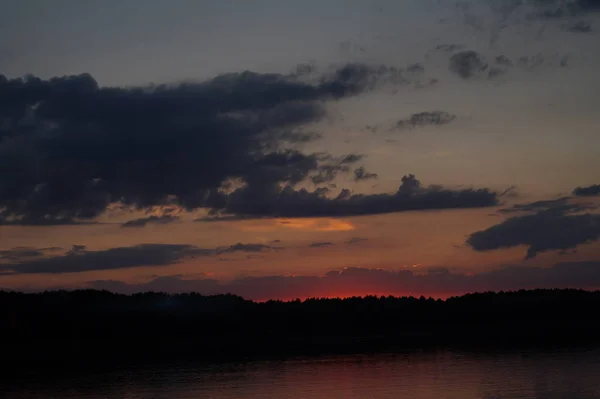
[346,295]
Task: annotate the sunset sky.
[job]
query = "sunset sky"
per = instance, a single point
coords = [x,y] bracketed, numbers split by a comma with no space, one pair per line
[280,149]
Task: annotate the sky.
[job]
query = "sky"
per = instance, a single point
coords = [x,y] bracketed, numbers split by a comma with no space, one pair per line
[279,149]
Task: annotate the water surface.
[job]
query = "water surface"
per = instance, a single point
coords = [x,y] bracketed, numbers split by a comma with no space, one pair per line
[451,375]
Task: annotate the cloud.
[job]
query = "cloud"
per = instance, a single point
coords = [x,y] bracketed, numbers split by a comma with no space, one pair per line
[239,247]
[20,253]
[70,148]
[273,200]
[549,229]
[561,204]
[553,9]
[321,244]
[578,27]
[362,281]
[426,118]
[468,64]
[588,191]
[78,259]
[504,61]
[143,222]
[8,219]
[362,174]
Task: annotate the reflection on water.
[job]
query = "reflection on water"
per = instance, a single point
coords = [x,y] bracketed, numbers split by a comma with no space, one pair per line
[549,375]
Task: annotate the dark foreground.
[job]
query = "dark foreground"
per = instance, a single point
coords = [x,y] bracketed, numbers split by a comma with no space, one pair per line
[82,328]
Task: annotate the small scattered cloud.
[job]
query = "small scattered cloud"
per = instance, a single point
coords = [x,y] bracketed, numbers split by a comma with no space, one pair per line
[426,119]
[273,200]
[578,27]
[321,244]
[361,174]
[468,64]
[415,69]
[504,61]
[143,222]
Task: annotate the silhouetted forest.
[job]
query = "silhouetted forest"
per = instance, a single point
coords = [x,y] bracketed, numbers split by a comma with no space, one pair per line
[87,327]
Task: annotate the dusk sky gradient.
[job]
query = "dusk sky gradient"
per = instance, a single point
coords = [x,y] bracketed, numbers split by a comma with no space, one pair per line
[376,147]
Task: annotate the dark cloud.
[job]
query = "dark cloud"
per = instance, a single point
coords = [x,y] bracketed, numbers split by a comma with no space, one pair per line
[588,191]
[547,230]
[69,148]
[239,247]
[553,9]
[557,205]
[426,118]
[360,281]
[330,167]
[321,244]
[20,253]
[531,61]
[77,248]
[468,64]
[415,69]
[143,222]
[274,200]
[578,27]
[362,174]
[355,78]
[504,61]
[78,259]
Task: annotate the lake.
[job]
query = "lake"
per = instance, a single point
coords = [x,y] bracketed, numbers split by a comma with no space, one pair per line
[452,375]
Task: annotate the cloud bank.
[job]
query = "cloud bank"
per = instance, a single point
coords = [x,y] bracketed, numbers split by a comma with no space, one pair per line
[360,281]
[78,259]
[69,148]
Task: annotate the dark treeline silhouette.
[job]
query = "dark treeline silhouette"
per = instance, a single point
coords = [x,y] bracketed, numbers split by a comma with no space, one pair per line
[90,327]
